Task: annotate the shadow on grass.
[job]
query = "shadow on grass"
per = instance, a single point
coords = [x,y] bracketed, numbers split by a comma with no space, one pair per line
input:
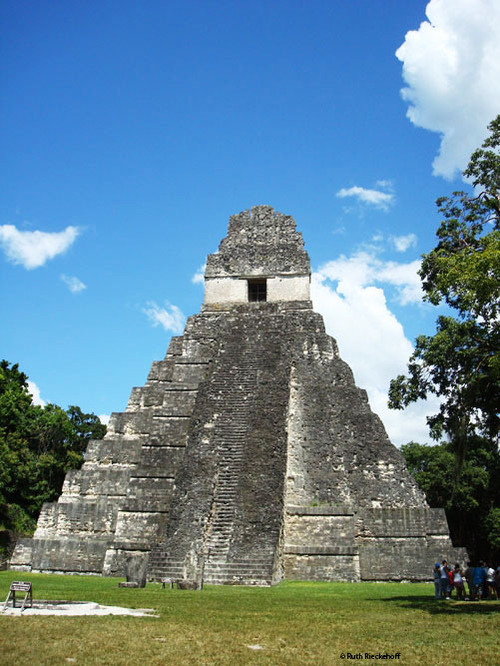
[442,607]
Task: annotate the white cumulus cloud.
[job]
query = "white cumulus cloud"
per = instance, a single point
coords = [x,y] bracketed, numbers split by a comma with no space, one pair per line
[408,425]
[104,418]
[364,269]
[349,293]
[35,393]
[169,317]
[33,249]
[375,198]
[73,283]
[403,243]
[451,66]
[199,276]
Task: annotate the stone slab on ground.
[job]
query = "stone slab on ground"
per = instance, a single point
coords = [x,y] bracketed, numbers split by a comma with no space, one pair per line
[69,608]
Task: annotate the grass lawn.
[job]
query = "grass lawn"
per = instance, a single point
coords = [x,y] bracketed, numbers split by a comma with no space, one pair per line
[293,623]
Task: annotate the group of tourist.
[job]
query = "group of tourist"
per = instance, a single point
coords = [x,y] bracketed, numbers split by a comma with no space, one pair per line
[483,581]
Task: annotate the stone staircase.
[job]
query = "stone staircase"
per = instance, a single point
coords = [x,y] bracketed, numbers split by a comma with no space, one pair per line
[239,572]
[235,386]
[164,566]
[220,555]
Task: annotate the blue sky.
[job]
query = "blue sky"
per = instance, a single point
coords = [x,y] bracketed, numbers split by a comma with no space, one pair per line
[130,131]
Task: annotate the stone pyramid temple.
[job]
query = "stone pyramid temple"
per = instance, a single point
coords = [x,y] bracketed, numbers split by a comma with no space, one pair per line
[249,456]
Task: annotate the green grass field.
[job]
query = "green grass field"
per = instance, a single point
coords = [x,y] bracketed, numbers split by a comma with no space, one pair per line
[293,623]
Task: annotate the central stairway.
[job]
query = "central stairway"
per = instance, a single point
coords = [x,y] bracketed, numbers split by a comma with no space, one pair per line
[233,539]
[235,385]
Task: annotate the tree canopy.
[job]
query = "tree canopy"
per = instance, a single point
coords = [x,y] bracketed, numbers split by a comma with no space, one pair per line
[471,501]
[460,363]
[37,447]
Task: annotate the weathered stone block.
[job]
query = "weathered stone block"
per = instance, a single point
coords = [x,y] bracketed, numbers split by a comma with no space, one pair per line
[319,530]
[394,558]
[104,480]
[177,402]
[86,516]
[69,554]
[138,526]
[159,461]
[152,486]
[321,567]
[404,522]
[152,395]
[162,371]
[175,346]
[136,567]
[130,423]
[188,585]
[437,522]
[189,373]
[22,557]
[119,450]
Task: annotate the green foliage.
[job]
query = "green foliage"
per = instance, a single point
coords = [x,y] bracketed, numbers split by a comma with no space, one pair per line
[492,527]
[461,362]
[37,447]
[470,496]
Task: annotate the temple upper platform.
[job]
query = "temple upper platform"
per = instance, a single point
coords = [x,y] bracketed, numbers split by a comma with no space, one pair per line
[262,258]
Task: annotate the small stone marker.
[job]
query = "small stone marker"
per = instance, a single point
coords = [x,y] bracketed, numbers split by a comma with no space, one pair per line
[136,567]
[20,586]
[187,584]
[128,584]
[182,583]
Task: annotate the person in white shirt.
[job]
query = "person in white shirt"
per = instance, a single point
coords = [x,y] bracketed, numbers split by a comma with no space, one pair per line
[490,581]
[458,582]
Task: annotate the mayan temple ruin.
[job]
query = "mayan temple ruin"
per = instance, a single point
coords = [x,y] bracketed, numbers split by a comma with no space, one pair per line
[249,456]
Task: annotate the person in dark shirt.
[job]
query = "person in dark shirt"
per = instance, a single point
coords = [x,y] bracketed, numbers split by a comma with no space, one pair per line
[445,581]
[478,578]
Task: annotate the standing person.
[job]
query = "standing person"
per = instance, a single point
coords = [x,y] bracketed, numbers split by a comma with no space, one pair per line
[491,583]
[444,580]
[451,583]
[437,581]
[468,578]
[485,579]
[477,581]
[458,582]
